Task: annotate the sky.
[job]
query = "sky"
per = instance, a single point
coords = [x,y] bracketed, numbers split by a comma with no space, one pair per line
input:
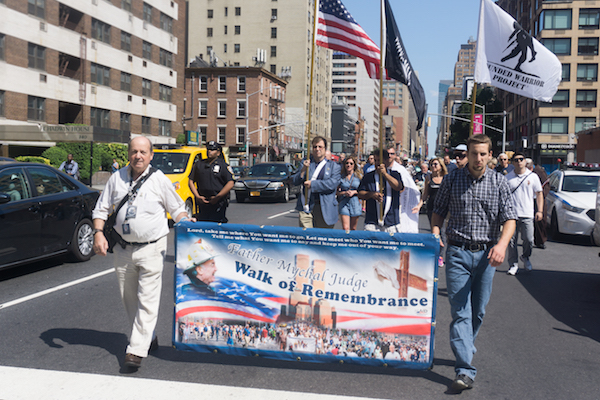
[432,32]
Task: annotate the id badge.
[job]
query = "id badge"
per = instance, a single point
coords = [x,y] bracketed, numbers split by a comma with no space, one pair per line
[131,212]
[126,230]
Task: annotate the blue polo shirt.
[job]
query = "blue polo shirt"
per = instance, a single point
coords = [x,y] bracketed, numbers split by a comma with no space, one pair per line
[393,216]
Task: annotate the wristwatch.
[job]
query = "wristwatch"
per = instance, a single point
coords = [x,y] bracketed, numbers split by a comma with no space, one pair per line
[98,230]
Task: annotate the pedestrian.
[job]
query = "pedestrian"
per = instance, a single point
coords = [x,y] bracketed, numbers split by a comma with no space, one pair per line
[504,166]
[348,203]
[210,181]
[479,202]
[143,228]
[539,232]
[383,207]
[526,190]
[70,167]
[410,196]
[115,166]
[320,209]
[369,165]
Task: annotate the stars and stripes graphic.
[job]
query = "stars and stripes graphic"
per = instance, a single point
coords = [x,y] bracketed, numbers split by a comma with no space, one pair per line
[337,30]
[384,322]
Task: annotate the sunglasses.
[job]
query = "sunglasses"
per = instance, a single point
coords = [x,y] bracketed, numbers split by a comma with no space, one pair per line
[461,156]
[349,163]
[518,159]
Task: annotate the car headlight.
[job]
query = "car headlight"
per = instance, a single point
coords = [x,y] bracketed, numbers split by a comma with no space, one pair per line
[569,207]
[276,185]
[239,185]
[176,185]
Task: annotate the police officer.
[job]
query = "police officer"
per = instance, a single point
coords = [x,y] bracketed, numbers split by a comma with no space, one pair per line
[210,182]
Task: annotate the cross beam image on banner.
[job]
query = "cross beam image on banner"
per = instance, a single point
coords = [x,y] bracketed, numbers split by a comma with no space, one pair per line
[315,295]
[509,58]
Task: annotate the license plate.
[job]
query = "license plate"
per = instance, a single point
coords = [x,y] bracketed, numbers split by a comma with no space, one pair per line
[254,194]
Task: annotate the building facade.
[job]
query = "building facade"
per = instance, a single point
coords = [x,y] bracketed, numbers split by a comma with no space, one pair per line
[547,132]
[114,65]
[276,36]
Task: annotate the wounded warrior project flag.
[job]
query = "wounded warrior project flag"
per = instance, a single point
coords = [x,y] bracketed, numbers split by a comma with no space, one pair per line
[509,58]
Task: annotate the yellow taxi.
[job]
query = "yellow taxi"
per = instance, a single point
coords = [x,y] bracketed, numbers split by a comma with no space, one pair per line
[176,162]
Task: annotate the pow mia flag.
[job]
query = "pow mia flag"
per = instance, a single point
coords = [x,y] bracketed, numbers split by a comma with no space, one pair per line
[509,58]
[398,66]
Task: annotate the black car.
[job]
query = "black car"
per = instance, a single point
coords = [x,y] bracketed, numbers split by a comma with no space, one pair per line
[239,172]
[270,180]
[43,213]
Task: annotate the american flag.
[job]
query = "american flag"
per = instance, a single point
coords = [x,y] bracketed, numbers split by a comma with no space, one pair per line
[337,30]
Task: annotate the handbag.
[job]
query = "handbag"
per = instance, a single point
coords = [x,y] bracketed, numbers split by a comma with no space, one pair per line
[112,237]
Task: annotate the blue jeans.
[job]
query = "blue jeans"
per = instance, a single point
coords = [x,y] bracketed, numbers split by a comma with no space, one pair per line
[525,226]
[469,279]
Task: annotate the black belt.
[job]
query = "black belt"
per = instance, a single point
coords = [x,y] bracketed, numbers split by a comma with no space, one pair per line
[138,243]
[472,246]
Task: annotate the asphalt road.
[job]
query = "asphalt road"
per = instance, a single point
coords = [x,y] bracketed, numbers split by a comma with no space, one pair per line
[539,340]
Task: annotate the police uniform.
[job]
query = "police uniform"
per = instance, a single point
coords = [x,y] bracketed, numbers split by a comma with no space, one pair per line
[210,178]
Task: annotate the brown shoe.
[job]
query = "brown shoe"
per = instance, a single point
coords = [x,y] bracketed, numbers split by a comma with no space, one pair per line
[132,361]
[153,345]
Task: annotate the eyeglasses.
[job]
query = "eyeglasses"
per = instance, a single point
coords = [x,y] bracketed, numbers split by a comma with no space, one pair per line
[391,153]
[461,156]
[435,164]
[518,159]
[504,159]
[318,147]
[349,163]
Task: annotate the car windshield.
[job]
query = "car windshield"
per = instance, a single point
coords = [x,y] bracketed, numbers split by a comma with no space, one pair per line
[170,163]
[237,170]
[580,183]
[267,170]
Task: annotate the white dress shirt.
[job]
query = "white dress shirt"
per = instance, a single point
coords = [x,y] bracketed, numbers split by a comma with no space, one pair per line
[155,197]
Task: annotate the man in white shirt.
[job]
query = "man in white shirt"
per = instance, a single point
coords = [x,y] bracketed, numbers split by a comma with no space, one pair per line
[409,198]
[143,227]
[525,187]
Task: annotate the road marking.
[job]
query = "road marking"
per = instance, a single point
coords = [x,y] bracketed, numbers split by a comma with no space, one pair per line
[281,214]
[75,386]
[55,289]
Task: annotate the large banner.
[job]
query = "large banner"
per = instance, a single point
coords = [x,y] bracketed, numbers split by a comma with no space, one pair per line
[315,295]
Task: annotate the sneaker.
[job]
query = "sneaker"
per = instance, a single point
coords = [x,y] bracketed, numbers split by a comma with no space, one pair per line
[441,262]
[462,382]
[513,270]
[528,266]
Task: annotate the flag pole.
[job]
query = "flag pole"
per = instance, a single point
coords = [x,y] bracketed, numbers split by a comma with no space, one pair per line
[381,126]
[310,96]
[473,98]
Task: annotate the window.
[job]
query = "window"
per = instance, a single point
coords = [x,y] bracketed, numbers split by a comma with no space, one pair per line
[238,11]
[586,98]
[273,13]
[37,8]
[273,68]
[36,56]
[36,108]
[126,5]
[146,87]
[203,83]
[209,50]
[166,58]
[164,127]
[222,83]
[45,181]
[2,46]
[222,108]
[147,50]
[202,130]
[125,41]
[202,108]
[100,117]
[241,84]
[100,31]
[587,72]
[560,99]
[236,48]
[125,122]
[147,13]
[241,134]
[273,33]
[556,19]
[226,11]
[209,32]
[13,183]
[273,51]
[554,125]
[225,31]
[209,13]
[1,103]
[583,123]
[566,72]
[225,48]
[126,81]
[560,47]
[166,23]
[588,18]
[165,92]
[241,108]
[237,30]
[146,123]
[587,46]
[222,134]
[100,74]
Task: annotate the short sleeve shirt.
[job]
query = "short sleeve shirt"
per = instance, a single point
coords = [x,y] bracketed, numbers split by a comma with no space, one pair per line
[210,177]
[524,189]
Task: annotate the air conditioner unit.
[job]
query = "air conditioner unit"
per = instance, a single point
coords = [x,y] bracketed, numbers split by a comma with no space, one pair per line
[93,89]
[93,45]
[43,26]
[273,18]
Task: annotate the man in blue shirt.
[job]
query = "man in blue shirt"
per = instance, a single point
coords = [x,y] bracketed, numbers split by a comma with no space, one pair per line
[369,190]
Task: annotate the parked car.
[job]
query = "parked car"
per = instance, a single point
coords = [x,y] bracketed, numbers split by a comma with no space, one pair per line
[270,180]
[239,172]
[571,203]
[43,213]
[176,162]
[596,230]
